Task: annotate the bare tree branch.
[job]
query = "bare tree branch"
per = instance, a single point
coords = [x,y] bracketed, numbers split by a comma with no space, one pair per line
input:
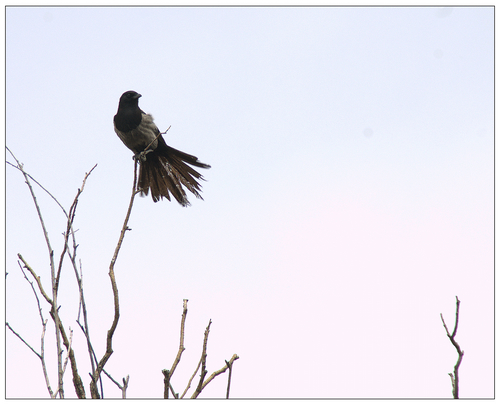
[229,365]
[203,361]
[76,378]
[123,388]
[52,272]
[111,331]
[41,356]
[67,357]
[191,379]
[181,343]
[22,340]
[37,279]
[168,373]
[454,376]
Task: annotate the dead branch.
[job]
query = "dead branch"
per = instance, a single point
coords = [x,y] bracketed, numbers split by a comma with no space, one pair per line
[123,388]
[191,379]
[181,343]
[67,357]
[55,281]
[167,385]
[168,373]
[22,340]
[41,356]
[42,359]
[203,361]
[52,271]
[37,279]
[70,218]
[77,381]
[111,331]
[45,233]
[454,376]
[69,230]
[229,365]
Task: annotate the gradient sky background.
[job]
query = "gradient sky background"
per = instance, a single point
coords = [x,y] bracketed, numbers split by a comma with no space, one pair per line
[350,197]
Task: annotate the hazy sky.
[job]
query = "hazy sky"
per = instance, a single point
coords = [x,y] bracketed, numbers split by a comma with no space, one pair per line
[350,197]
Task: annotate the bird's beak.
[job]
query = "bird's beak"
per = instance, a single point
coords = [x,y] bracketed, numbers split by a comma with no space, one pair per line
[138,95]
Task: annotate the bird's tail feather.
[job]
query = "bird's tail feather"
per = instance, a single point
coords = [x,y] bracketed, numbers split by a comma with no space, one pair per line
[167,172]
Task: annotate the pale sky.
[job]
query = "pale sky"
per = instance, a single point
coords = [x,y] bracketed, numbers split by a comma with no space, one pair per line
[350,197]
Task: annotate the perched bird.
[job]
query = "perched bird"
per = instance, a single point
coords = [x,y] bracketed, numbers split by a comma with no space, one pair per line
[162,169]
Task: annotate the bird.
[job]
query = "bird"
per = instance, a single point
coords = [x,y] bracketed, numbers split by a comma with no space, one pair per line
[162,169]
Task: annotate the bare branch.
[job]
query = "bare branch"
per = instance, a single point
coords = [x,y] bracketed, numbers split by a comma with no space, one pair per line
[168,373]
[229,365]
[69,229]
[454,376]
[157,136]
[22,340]
[76,378]
[191,379]
[123,388]
[34,292]
[42,340]
[45,233]
[203,361]
[37,279]
[60,333]
[181,343]
[67,357]
[42,359]
[111,331]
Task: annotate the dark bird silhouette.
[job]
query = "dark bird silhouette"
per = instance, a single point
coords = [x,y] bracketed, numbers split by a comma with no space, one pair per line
[162,169]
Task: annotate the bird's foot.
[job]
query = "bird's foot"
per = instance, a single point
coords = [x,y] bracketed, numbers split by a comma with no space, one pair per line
[141,156]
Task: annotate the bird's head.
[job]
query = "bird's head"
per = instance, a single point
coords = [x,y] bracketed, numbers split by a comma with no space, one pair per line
[130,97]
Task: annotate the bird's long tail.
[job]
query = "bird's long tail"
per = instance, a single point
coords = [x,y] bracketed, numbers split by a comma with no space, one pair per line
[166,170]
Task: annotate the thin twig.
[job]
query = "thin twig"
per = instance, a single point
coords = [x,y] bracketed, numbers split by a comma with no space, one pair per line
[157,136]
[79,276]
[454,376]
[111,331]
[37,279]
[77,381]
[168,373]
[123,388]
[34,292]
[67,356]
[229,364]
[52,273]
[181,343]
[191,379]
[22,340]
[42,359]
[55,282]
[37,183]
[203,360]
[42,339]
[69,230]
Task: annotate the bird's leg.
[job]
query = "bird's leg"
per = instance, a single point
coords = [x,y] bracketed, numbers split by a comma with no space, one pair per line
[141,156]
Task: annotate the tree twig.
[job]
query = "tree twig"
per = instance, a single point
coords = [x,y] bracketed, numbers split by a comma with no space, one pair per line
[22,340]
[191,379]
[67,357]
[111,331]
[454,376]
[167,374]
[123,388]
[229,365]
[181,342]
[203,361]
[52,273]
